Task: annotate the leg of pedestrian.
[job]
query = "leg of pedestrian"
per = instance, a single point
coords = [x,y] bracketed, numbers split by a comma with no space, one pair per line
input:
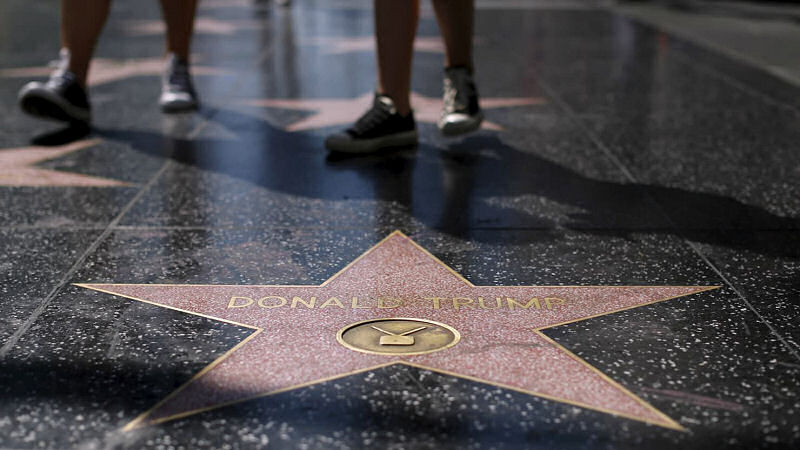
[461,112]
[389,122]
[177,90]
[63,96]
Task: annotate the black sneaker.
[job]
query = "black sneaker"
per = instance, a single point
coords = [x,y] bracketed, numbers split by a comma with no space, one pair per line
[461,112]
[379,128]
[177,91]
[61,97]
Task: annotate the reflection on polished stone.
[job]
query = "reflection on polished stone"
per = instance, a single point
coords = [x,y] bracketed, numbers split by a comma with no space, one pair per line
[17,167]
[620,165]
[106,70]
[331,112]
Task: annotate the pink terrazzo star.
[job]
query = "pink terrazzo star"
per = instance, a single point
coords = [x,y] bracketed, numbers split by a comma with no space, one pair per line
[294,340]
[344,111]
[17,167]
[104,70]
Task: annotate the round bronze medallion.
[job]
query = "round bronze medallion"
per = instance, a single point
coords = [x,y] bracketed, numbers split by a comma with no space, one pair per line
[398,336]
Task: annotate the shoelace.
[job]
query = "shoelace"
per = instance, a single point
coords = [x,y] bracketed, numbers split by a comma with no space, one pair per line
[456,99]
[179,75]
[370,119]
[60,80]
[61,76]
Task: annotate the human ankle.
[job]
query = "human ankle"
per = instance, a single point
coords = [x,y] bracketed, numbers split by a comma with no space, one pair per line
[403,108]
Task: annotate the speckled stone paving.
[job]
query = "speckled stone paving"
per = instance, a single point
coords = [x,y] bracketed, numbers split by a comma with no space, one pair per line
[618,248]
[296,326]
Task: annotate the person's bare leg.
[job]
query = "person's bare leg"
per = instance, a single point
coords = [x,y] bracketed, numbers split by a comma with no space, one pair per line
[81,24]
[179,17]
[381,128]
[460,110]
[456,18]
[395,27]
[177,89]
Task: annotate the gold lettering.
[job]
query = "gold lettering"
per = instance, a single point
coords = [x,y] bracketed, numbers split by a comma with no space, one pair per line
[513,302]
[281,302]
[458,302]
[356,305]
[309,304]
[232,302]
[549,301]
[436,301]
[382,303]
[333,301]
[498,300]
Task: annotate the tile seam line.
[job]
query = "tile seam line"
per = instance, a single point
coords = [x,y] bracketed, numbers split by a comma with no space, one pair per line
[6,348]
[792,348]
[607,152]
[666,230]
[14,338]
[356,228]
[35,228]
[700,65]
[64,280]
[261,58]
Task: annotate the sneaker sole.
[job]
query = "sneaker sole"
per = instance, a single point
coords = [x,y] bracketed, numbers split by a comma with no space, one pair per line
[458,128]
[178,106]
[44,104]
[403,139]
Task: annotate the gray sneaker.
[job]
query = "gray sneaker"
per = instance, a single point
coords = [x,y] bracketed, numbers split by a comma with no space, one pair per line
[61,97]
[461,112]
[177,91]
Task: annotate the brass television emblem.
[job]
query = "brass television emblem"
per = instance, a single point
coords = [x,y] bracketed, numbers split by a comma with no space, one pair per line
[398,336]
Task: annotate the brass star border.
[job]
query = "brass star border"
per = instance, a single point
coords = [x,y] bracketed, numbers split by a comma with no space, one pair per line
[294,342]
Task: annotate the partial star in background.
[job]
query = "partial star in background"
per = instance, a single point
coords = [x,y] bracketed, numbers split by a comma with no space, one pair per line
[294,340]
[202,25]
[344,111]
[214,4]
[342,45]
[104,70]
[17,167]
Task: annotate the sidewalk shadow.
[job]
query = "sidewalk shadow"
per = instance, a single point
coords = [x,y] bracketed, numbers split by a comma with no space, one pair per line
[479,182]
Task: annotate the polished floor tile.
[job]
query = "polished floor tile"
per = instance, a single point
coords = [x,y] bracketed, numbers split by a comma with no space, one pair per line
[614,155]
[34,265]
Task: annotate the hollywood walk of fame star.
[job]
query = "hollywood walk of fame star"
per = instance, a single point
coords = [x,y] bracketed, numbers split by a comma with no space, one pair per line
[104,70]
[202,25]
[213,4]
[296,337]
[17,167]
[355,44]
[256,5]
[342,111]
[343,45]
